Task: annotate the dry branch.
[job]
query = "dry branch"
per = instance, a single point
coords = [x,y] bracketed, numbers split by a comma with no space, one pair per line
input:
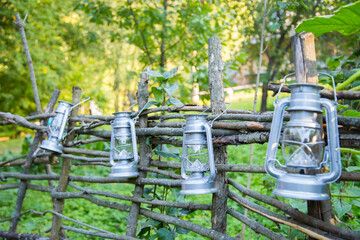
[297,215]
[19,22]
[277,218]
[97,234]
[255,226]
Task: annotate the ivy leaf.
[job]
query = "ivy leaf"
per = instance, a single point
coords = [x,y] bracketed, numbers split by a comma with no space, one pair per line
[171,89]
[158,94]
[344,20]
[351,113]
[165,234]
[333,62]
[342,208]
[171,73]
[175,102]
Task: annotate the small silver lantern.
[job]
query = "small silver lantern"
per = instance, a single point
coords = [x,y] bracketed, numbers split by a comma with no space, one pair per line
[197,157]
[56,126]
[302,144]
[123,150]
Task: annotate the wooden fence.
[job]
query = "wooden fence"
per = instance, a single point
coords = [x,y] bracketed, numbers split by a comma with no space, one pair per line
[233,128]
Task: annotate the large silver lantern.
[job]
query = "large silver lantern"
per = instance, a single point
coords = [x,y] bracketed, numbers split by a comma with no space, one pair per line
[56,128]
[302,144]
[123,150]
[197,157]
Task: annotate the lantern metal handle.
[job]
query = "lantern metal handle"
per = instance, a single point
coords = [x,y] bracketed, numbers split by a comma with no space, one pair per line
[333,82]
[63,124]
[333,141]
[210,152]
[183,172]
[112,144]
[274,138]
[281,85]
[133,138]
[290,74]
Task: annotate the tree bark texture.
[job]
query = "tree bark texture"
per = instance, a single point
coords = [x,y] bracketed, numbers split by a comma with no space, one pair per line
[65,171]
[219,200]
[144,153]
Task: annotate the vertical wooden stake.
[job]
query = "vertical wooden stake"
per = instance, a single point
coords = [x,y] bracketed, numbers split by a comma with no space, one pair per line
[27,166]
[144,152]
[65,171]
[219,200]
[303,46]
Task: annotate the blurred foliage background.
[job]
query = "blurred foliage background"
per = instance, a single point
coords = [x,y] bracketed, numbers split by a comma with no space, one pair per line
[103,46]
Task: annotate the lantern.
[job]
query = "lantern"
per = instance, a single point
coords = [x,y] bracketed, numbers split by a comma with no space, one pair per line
[197,157]
[302,144]
[56,127]
[123,150]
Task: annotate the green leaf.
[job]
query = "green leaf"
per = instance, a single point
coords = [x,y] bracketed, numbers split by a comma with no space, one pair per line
[152,73]
[158,94]
[342,208]
[181,230]
[274,27]
[149,104]
[352,169]
[171,73]
[176,194]
[351,113]
[334,62]
[171,89]
[165,234]
[175,102]
[162,150]
[346,20]
[171,211]
[301,206]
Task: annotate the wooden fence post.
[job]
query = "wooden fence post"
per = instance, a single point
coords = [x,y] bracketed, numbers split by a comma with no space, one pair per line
[27,166]
[144,152]
[303,46]
[65,171]
[219,200]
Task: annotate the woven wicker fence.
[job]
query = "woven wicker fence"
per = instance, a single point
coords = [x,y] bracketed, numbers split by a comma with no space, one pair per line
[156,126]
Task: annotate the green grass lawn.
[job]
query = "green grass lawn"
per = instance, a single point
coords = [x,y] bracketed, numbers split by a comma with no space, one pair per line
[12,145]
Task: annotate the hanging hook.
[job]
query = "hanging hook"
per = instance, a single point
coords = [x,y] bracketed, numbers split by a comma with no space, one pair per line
[86,99]
[137,116]
[212,122]
[130,107]
[283,81]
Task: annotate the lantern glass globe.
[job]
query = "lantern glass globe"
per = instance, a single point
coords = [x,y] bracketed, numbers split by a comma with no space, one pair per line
[302,147]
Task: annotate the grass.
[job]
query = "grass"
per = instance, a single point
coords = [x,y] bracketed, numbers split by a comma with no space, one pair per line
[12,145]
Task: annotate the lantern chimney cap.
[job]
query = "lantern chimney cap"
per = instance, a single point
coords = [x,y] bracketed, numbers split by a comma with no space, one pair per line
[122,113]
[65,102]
